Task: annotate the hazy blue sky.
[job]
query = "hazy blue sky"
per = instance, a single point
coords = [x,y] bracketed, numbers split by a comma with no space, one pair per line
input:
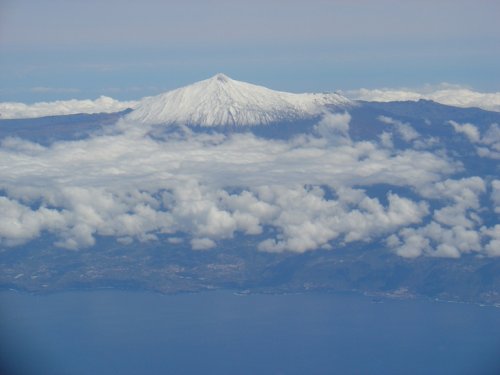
[57,49]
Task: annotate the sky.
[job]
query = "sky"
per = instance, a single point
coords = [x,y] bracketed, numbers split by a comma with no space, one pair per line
[56,49]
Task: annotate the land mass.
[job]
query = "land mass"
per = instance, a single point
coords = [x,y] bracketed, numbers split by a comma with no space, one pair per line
[174,268]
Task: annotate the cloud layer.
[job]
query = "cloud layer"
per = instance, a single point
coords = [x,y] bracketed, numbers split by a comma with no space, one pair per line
[445,94]
[310,192]
[10,110]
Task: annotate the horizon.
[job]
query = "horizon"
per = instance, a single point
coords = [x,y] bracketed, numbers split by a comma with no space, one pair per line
[57,50]
[444,93]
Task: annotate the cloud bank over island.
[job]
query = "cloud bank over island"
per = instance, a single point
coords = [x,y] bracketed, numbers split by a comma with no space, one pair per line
[103,104]
[448,94]
[312,191]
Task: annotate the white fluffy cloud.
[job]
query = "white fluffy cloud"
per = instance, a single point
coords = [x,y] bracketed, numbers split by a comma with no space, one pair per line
[445,94]
[455,228]
[308,221]
[488,145]
[495,195]
[404,130]
[436,240]
[492,248]
[10,110]
[298,195]
[334,127]
[469,130]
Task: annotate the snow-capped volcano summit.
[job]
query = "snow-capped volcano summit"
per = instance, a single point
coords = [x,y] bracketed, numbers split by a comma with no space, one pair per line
[221,100]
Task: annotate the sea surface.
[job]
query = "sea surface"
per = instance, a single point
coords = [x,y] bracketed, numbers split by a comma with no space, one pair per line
[109,332]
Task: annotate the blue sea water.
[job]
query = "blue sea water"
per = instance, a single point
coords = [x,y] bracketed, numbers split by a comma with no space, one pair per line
[142,333]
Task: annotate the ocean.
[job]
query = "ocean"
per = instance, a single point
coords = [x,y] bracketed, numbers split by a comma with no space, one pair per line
[120,332]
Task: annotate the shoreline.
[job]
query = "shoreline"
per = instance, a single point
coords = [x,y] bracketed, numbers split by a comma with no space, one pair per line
[376,297]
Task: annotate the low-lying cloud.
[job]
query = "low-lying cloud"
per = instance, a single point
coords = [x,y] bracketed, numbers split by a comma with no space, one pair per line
[487,144]
[302,194]
[445,94]
[11,110]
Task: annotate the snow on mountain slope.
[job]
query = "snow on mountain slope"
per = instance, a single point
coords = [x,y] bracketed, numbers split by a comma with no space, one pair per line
[221,100]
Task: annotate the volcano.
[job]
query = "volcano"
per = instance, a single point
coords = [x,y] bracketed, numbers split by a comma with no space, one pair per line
[222,101]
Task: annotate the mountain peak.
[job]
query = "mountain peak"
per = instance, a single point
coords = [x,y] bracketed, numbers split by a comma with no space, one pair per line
[221,100]
[221,77]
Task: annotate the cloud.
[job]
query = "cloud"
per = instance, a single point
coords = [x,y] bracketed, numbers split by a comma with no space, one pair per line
[492,137]
[309,192]
[445,94]
[495,195]
[488,145]
[19,223]
[308,221]
[335,127]
[455,229]
[437,240]
[490,142]
[10,110]
[202,243]
[464,195]
[469,130]
[493,246]
[404,130]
